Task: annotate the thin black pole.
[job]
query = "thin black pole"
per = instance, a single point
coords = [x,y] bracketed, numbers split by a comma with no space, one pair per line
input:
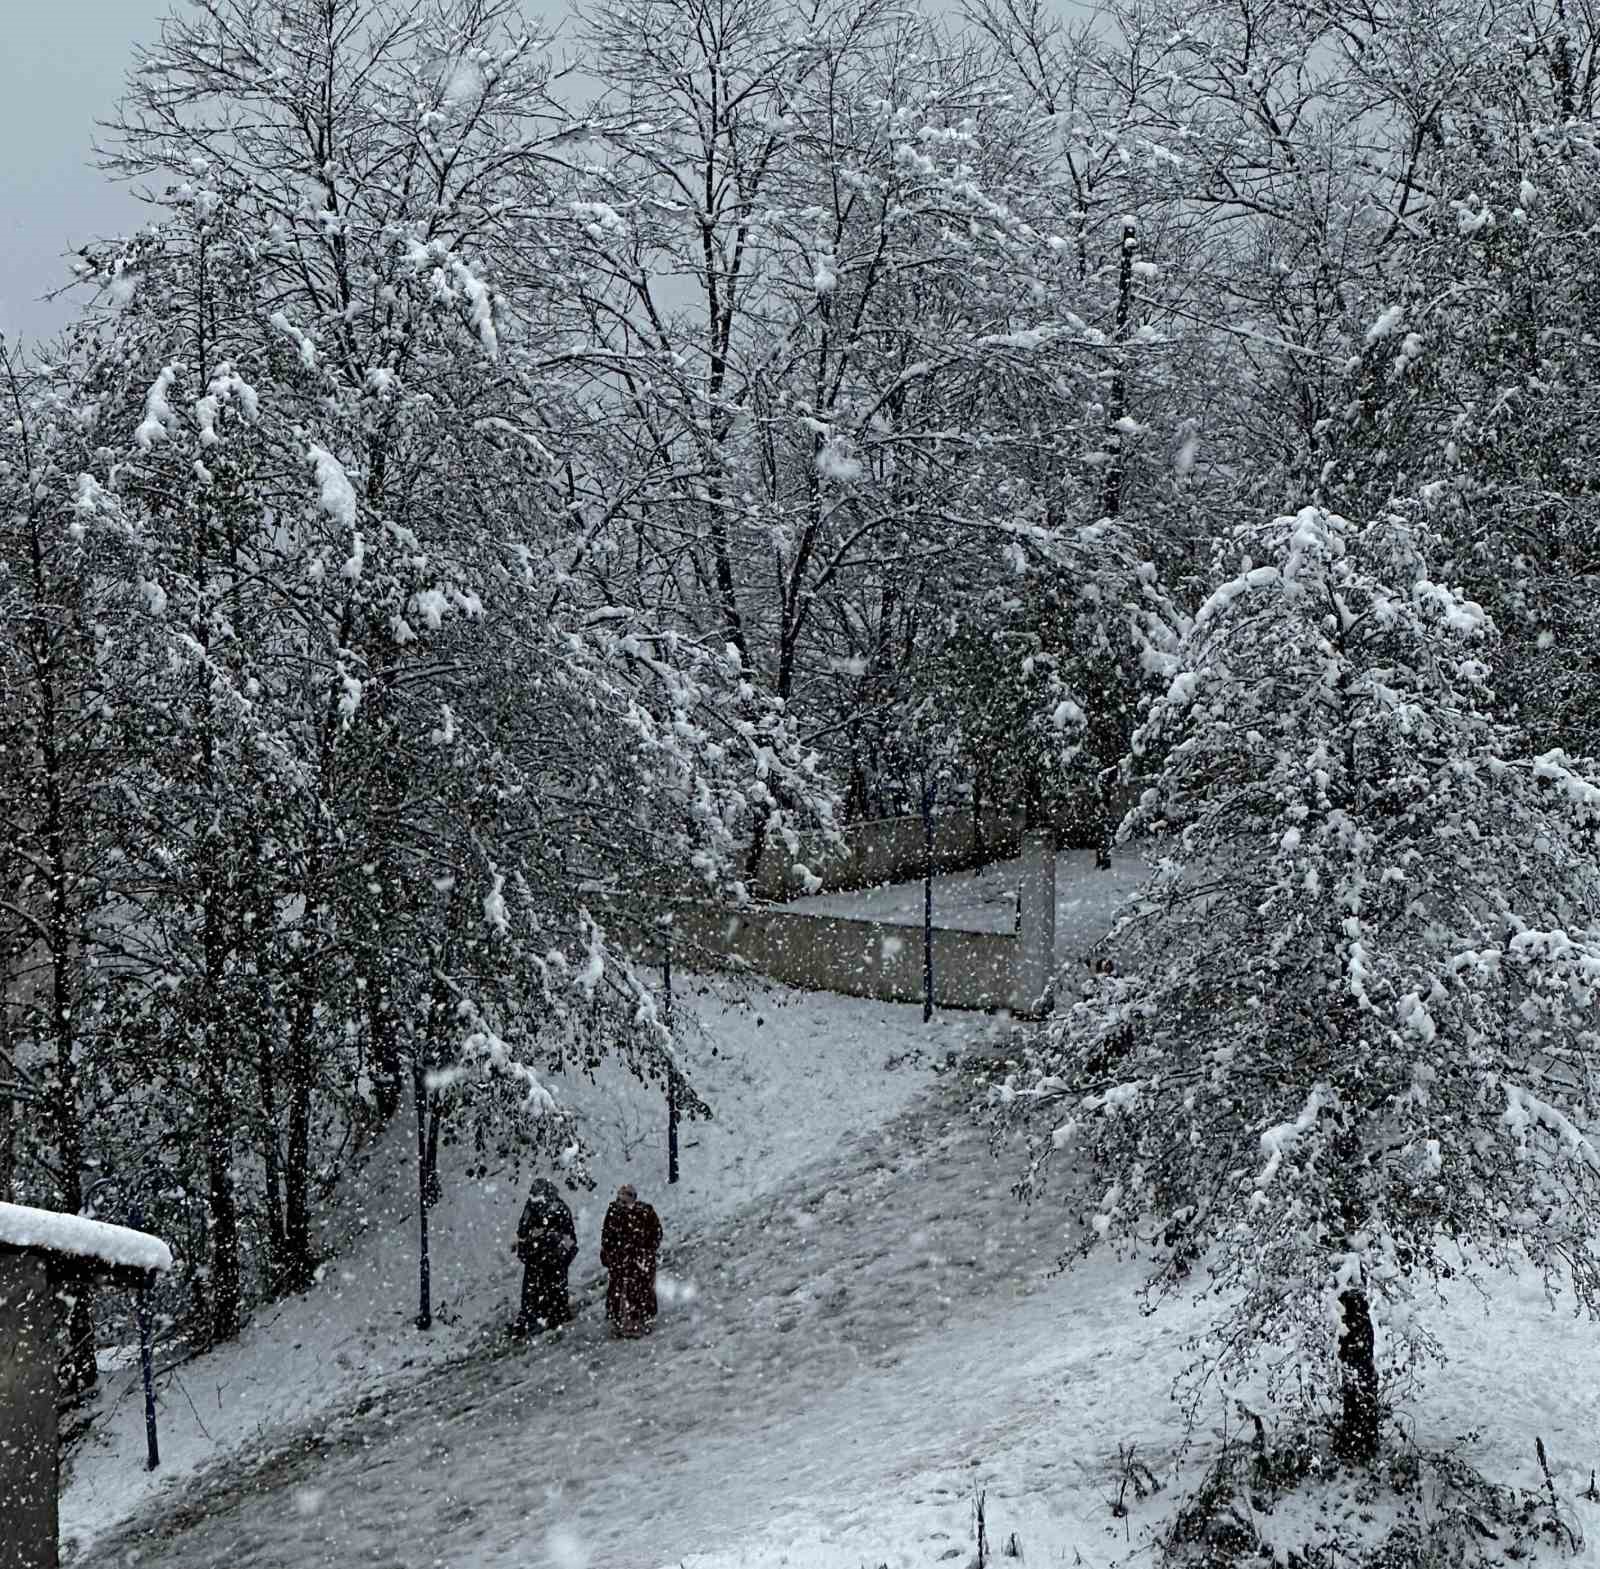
[672,1071]
[141,1311]
[927,897]
[419,1087]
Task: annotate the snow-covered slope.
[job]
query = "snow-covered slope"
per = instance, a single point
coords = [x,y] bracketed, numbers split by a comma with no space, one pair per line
[843,1367]
[886,1315]
[862,1332]
[788,1074]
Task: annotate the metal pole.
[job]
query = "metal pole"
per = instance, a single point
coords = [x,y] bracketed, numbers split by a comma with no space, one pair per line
[141,1309]
[672,1071]
[424,1285]
[927,896]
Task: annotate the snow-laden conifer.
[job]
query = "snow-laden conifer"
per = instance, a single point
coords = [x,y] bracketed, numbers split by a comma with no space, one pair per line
[1349,1052]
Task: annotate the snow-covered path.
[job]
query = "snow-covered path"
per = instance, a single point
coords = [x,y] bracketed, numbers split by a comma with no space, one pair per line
[822,1346]
[985,899]
[843,1363]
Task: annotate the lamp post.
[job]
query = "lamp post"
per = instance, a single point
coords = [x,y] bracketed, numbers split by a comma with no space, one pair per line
[141,1311]
[419,1090]
[927,893]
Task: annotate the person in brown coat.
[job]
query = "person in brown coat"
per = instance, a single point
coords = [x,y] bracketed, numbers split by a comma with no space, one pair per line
[629,1242]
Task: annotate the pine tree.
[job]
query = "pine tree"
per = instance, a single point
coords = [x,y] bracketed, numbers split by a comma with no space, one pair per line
[1350,1049]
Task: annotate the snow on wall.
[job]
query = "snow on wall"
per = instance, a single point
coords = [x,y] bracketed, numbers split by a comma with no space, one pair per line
[24,1227]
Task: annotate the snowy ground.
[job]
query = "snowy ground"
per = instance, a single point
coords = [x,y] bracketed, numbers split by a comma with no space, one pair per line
[861,1331]
[840,1366]
[788,1074]
[986,900]
[843,1361]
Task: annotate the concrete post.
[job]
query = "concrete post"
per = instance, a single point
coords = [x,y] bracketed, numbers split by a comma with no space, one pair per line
[1036,925]
[28,1455]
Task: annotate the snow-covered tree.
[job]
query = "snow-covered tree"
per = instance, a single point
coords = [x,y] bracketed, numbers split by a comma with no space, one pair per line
[392,753]
[1475,378]
[1350,1051]
[829,314]
[59,760]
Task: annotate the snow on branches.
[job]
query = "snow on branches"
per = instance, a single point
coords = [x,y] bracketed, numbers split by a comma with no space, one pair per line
[1351,1045]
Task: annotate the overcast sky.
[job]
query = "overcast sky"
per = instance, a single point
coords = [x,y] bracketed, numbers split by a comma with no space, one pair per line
[61,68]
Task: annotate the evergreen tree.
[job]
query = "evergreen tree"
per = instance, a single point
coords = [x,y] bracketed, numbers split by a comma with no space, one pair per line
[1350,1049]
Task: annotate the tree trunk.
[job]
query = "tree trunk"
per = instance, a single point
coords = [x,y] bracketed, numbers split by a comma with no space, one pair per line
[8,1106]
[8,1140]
[1356,1438]
[1117,402]
[81,1369]
[432,1188]
[372,964]
[227,1297]
[1032,798]
[227,1294]
[383,1028]
[927,897]
[424,1262]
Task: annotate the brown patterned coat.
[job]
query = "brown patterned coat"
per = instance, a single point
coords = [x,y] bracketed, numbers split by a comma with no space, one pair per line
[629,1242]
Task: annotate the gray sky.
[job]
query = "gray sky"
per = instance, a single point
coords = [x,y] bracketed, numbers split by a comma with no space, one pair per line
[62,66]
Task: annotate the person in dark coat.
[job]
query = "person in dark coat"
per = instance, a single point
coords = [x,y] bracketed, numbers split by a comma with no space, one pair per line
[547,1243]
[629,1242]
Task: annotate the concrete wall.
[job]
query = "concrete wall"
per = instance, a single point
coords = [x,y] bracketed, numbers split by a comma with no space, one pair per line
[858,958]
[840,954]
[889,850]
[866,958]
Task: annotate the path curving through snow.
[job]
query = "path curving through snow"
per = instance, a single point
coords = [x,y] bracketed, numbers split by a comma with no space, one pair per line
[835,1337]
[839,1367]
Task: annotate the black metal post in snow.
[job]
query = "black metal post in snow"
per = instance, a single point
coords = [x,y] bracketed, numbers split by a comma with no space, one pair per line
[672,1071]
[419,1087]
[141,1311]
[927,896]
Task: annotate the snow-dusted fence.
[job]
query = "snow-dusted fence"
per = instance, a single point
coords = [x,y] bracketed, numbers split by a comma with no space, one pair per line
[889,850]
